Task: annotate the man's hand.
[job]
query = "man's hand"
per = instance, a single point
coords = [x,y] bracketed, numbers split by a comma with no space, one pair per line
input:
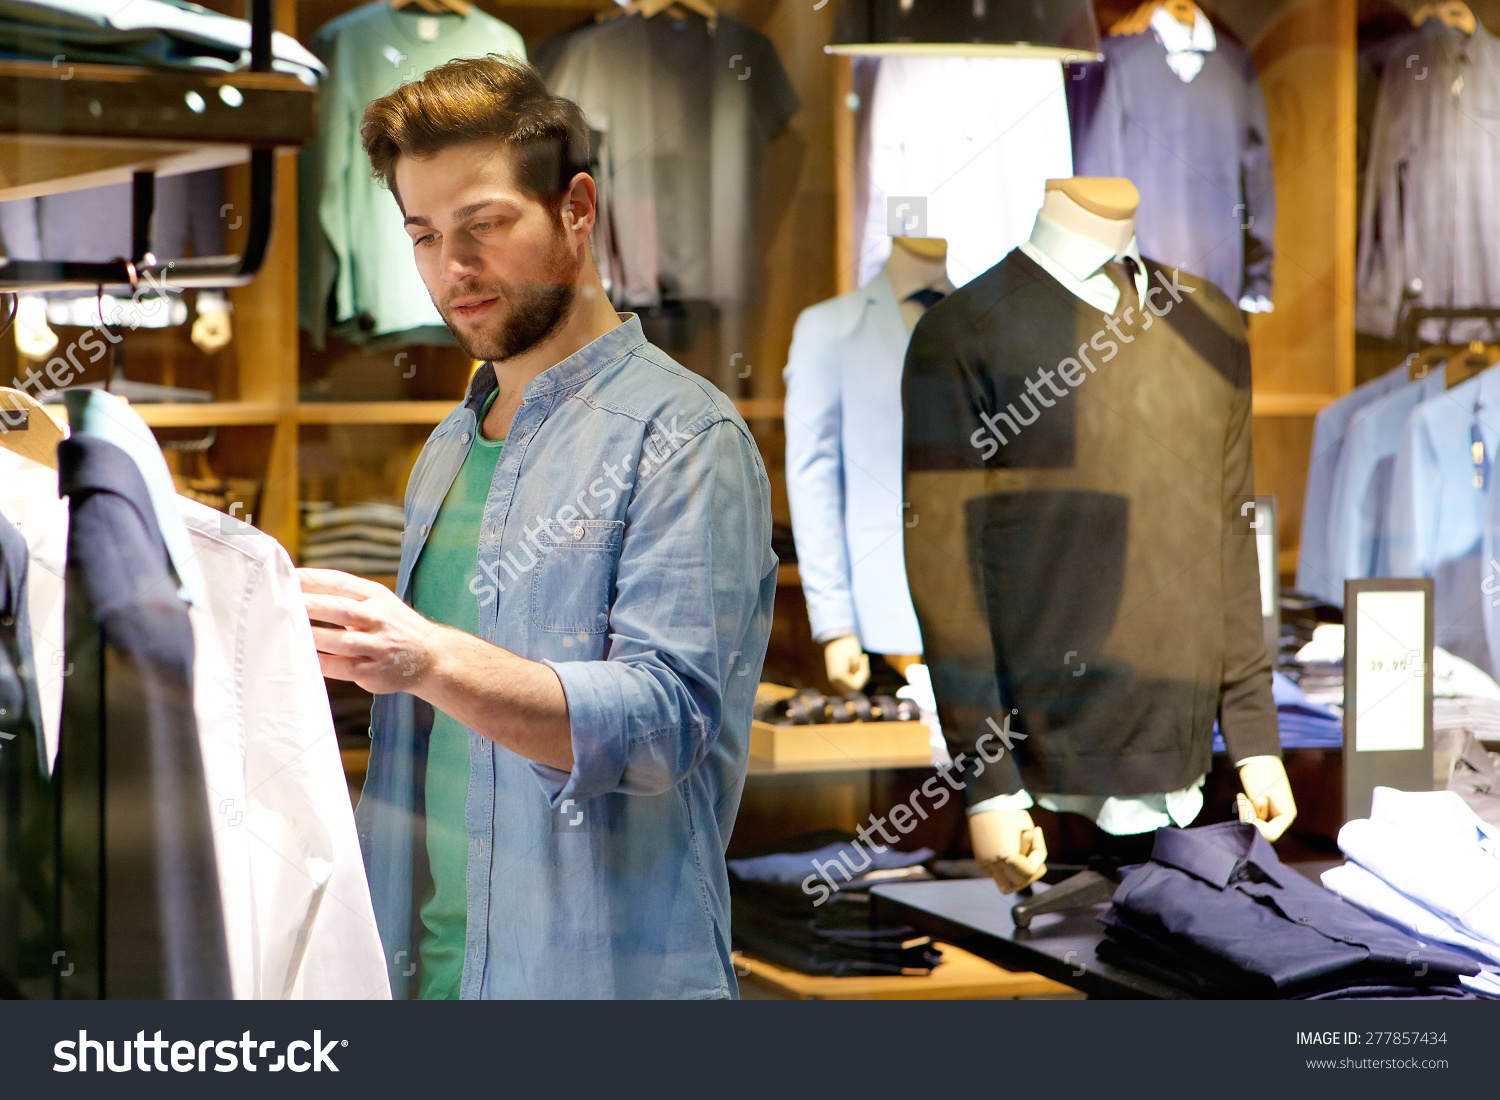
[1008,846]
[1267,801]
[384,646]
[377,640]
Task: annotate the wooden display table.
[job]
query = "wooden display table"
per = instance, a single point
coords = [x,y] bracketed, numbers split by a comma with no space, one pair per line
[961,976]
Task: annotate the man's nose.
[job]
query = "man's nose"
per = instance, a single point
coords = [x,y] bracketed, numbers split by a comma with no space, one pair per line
[459,263]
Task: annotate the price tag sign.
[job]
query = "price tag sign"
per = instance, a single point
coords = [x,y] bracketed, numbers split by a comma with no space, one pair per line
[1388,626]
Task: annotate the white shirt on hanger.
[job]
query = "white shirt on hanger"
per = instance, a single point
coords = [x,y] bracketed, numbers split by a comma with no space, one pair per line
[297,910]
[1185,45]
[975,140]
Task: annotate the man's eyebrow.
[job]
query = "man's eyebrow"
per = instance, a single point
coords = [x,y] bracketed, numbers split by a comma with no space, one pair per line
[475,207]
[458,215]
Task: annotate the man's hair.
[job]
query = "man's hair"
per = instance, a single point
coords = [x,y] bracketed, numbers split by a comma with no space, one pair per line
[481,98]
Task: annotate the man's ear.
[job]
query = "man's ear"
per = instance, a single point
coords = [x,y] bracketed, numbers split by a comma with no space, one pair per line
[579,207]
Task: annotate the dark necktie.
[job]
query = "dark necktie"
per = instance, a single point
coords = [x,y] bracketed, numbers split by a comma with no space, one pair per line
[926,297]
[1121,272]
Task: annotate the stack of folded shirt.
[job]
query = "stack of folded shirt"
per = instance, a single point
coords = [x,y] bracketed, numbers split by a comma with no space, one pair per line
[1461,764]
[1216,912]
[780,916]
[1424,862]
[164,34]
[1318,667]
[1303,723]
[1464,697]
[357,538]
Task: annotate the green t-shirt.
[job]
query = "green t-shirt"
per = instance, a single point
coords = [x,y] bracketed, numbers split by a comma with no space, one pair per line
[352,243]
[440,592]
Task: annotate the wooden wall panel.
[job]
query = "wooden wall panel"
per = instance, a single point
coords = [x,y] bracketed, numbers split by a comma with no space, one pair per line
[1306,62]
[1302,355]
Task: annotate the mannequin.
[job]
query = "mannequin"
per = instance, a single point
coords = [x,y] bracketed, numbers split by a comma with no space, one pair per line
[843,424]
[1006,841]
[916,263]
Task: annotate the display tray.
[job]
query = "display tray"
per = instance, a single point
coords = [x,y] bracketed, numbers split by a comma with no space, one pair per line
[853,742]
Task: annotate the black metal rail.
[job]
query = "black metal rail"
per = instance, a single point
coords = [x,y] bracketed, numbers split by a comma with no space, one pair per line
[198,271]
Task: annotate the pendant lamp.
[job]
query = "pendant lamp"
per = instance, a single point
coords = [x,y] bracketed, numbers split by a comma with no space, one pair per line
[1063,30]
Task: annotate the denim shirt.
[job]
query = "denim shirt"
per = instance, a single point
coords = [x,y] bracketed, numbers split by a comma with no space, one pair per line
[626,543]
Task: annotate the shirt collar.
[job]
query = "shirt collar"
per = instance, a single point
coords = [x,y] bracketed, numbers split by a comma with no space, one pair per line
[104,416]
[903,285]
[1177,38]
[1081,257]
[612,346]
[1214,853]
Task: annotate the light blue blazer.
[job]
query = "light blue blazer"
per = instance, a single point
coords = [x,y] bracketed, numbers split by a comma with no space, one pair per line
[843,468]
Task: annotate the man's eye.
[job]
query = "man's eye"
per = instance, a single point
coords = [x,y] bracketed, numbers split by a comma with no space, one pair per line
[427,238]
[480,227]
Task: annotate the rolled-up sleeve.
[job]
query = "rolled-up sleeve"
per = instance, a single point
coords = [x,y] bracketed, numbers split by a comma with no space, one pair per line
[692,579]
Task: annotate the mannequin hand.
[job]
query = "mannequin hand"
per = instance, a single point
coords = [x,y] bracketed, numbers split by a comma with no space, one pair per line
[1009,847]
[34,337]
[1267,802]
[847,663]
[211,331]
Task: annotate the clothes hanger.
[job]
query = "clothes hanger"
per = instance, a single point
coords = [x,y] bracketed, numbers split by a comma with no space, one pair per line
[1419,364]
[1184,11]
[1451,13]
[646,9]
[436,7]
[1475,360]
[27,429]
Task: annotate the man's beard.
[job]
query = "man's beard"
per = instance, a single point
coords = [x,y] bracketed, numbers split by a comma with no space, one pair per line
[531,311]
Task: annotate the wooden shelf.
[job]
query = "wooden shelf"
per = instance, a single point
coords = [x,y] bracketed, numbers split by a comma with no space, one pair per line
[373,412]
[960,976]
[761,408]
[208,414]
[71,126]
[1290,404]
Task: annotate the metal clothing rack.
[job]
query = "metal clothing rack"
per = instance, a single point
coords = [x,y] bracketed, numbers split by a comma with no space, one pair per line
[1410,318]
[260,108]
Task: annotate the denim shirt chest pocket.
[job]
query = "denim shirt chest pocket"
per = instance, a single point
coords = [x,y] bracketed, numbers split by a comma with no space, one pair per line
[573,583]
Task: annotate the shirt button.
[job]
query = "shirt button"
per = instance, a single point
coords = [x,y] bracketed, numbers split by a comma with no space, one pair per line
[577,533]
[464,438]
[424,530]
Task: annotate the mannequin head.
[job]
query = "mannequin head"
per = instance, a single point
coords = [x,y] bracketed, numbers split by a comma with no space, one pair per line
[923,248]
[1098,207]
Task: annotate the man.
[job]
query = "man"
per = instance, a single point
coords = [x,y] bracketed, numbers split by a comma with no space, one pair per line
[566,672]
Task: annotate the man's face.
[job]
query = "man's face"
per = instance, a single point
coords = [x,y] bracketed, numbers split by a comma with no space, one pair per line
[500,266]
